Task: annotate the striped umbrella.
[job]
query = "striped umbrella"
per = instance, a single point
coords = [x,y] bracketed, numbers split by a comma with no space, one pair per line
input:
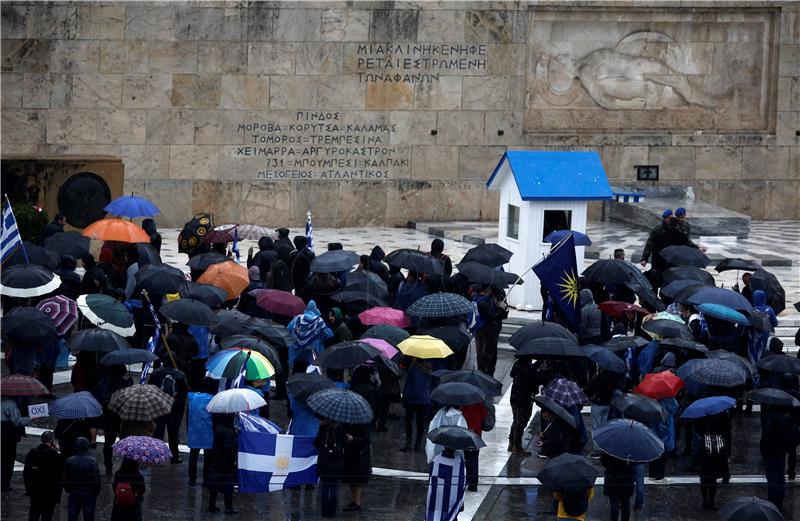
[76,406]
[21,385]
[28,280]
[228,364]
[143,449]
[107,313]
[63,311]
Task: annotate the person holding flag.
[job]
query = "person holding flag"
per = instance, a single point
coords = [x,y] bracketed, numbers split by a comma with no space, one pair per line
[447,484]
[10,239]
[558,273]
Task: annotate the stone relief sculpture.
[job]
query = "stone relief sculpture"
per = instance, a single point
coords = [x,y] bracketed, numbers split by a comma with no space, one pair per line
[620,79]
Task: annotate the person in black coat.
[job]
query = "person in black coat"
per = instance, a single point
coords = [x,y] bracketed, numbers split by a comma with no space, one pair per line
[557,437]
[81,482]
[68,432]
[711,445]
[300,263]
[150,228]
[266,255]
[779,436]
[357,466]
[53,227]
[70,281]
[173,382]
[330,442]
[283,239]
[128,475]
[376,264]
[247,302]
[44,467]
[116,378]
[222,475]
[524,386]
[619,480]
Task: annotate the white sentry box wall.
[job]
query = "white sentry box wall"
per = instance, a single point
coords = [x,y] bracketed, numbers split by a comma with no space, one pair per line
[529,248]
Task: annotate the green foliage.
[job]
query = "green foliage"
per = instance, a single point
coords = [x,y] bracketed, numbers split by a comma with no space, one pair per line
[31,220]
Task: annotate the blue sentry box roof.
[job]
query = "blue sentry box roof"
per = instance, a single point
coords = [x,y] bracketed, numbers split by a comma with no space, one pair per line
[556,175]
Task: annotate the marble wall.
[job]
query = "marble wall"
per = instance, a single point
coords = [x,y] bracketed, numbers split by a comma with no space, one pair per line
[375,113]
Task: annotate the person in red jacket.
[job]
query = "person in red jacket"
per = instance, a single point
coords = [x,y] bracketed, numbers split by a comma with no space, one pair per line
[475,414]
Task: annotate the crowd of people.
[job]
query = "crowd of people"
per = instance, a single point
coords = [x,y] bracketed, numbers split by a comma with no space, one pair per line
[645,365]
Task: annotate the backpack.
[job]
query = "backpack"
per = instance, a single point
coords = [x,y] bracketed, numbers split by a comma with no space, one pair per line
[124,495]
[168,385]
[714,445]
[489,420]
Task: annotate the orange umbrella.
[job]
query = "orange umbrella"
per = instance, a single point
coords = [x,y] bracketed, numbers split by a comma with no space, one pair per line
[116,230]
[228,276]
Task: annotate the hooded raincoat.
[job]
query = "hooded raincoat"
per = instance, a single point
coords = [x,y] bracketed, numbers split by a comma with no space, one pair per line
[310,332]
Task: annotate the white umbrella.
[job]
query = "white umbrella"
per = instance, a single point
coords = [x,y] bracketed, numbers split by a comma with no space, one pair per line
[255,232]
[235,400]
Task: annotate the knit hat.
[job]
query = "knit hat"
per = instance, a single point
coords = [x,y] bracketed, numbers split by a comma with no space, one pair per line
[666,213]
[680,212]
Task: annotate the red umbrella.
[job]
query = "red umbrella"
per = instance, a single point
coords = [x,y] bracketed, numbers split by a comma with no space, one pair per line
[279,302]
[63,311]
[21,385]
[617,309]
[386,316]
[659,385]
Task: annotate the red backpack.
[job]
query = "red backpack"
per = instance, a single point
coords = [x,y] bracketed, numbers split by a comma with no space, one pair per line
[124,495]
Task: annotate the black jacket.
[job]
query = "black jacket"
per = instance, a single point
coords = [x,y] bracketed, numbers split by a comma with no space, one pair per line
[330,446]
[779,431]
[181,386]
[44,469]
[81,474]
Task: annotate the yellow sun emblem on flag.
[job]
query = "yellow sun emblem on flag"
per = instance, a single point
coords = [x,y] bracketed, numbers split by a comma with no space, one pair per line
[282,463]
[570,291]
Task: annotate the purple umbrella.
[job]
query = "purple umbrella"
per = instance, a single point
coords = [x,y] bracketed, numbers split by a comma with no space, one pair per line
[565,392]
[63,311]
[143,449]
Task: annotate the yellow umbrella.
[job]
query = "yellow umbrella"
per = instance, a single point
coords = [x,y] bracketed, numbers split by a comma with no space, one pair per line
[424,346]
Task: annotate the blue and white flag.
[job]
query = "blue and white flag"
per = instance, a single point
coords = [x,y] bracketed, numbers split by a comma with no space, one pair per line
[10,238]
[235,246]
[254,423]
[446,486]
[270,462]
[151,345]
[309,231]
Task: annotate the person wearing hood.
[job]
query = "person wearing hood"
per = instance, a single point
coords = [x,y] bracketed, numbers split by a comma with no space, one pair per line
[279,276]
[94,278]
[376,264]
[266,255]
[300,263]
[70,281]
[310,332]
[42,474]
[247,302]
[341,333]
[81,482]
[757,339]
[411,289]
[283,239]
[150,228]
[590,319]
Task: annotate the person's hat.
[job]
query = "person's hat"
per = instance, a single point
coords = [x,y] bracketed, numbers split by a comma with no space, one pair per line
[82,443]
[680,212]
[48,437]
[282,232]
[666,213]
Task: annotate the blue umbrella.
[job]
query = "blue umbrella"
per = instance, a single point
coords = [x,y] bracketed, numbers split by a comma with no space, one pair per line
[708,407]
[76,406]
[628,440]
[132,206]
[725,313]
[581,239]
[726,297]
[606,359]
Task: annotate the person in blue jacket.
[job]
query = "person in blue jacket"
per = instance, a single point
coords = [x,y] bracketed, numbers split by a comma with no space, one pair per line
[310,331]
[416,400]
[757,340]
[200,429]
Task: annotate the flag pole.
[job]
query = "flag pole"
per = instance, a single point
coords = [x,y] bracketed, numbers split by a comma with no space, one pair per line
[163,337]
[21,243]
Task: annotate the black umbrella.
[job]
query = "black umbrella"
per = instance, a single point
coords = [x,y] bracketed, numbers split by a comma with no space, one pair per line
[231,322]
[202,261]
[640,408]
[569,474]
[457,393]
[737,264]
[481,274]
[779,364]
[273,332]
[349,297]
[772,396]
[191,237]
[716,373]
[687,273]
[366,282]
[128,356]
[457,338]
[723,296]
[682,296]
[606,359]
[492,255]
[539,330]
[303,385]
[685,256]
[35,255]
[557,409]
[479,379]
[160,279]
[334,261]
[456,438]
[208,293]
[623,343]
[29,326]
[97,340]
[345,355]
[760,320]
[440,305]
[628,440]
[750,509]
[675,287]
[647,297]
[414,260]
[768,283]
[393,335]
[740,361]
[68,243]
[28,280]
[146,254]
[255,344]
[666,328]
[189,311]
[682,344]
[612,271]
[552,347]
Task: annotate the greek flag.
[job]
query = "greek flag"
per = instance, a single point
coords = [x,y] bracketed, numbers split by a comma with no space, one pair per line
[10,238]
[448,481]
[235,247]
[240,380]
[309,231]
[151,345]
[270,462]
[254,423]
